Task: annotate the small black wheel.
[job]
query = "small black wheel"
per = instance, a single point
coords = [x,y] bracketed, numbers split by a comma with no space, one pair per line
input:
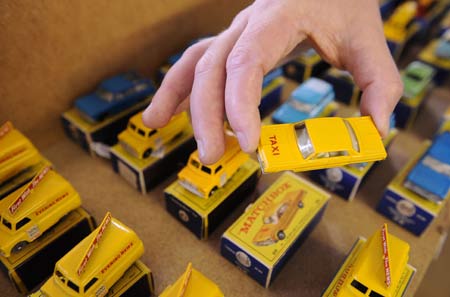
[147,153]
[212,191]
[19,246]
[300,204]
[281,235]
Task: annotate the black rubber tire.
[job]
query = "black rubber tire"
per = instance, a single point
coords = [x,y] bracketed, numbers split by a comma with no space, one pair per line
[19,246]
[147,153]
[281,235]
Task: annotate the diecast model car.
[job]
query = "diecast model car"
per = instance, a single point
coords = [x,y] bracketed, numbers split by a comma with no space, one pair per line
[34,208]
[443,47]
[113,95]
[430,177]
[192,284]
[140,141]
[319,143]
[378,269]
[416,78]
[95,264]
[204,180]
[277,218]
[17,153]
[396,27]
[306,101]
[271,76]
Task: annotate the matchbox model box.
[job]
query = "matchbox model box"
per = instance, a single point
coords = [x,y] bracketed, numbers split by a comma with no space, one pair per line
[308,64]
[36,261]
[271,96]
[345,181]
[89,135]
[442,65]
[405,207]
[143,174]
[202,215]
[266,235]
[344,87]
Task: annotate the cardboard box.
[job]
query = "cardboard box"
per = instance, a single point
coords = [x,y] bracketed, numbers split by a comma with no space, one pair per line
[271,96]
[338,281]
[405,207]
[442,66]
[304,67]
[88,135]
[137,281]
[406,110]
[144,174]
[345,181]
[344,87]
[37,260]
[264,237]
[202,216]
[396,47]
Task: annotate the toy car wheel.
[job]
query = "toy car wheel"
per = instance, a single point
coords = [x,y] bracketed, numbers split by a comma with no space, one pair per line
[212,191]
[19,246]
[148,152]
[300,204]
[281,235]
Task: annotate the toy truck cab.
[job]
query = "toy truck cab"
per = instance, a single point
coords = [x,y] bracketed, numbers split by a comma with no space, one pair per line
[93,266]
[396,27]
[204,180]
[140,141]
[277,218]
[379,267]
[16,152]
[192,284]
[34,208]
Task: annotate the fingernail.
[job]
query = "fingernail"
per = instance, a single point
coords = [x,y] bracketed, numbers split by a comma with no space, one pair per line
[201,148]
[242,140]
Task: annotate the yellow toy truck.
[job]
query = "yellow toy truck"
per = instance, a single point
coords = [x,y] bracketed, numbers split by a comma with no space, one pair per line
[192,284]
[16,152]
[140,141]
[34,208]
[203,180]
[93,266]
[396,27]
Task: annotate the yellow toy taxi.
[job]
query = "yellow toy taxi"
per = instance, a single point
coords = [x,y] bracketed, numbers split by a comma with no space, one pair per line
[277,218]
[192,284]
[377,267]
[319,143]
[140,141]
[34,208]
[203,180]
[396,27]
[16,152]
[93,266]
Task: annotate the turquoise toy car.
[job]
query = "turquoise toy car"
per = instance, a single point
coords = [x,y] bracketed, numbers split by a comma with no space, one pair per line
[416,78]
[306,101]
[443,47]
[113,95]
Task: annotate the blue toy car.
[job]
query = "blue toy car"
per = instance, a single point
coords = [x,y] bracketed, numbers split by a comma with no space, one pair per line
[114,95]
[430,178]
[443,47]
[271,76]
[307,101]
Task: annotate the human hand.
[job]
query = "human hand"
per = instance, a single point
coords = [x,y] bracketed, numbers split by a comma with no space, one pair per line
[223,74]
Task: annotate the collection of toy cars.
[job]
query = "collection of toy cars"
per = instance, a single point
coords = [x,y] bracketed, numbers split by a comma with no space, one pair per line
[34,198]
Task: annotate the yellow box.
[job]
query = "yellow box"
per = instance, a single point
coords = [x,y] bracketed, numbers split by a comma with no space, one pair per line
[441,65]
[264,237]
[36,261]
[201,216]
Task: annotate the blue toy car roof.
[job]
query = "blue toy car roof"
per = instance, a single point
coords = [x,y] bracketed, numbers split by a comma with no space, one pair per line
[116,84]
[440,149]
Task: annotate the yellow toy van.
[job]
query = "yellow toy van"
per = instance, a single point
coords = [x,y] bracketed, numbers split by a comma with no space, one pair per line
[396,27]
[192,284]
[376,267]
[28,212]
[93,266]
[277,218]
[16,152]
[319,143]
[203,180]
[140,141]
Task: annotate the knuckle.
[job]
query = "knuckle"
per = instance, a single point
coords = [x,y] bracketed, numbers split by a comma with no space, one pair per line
[205,64]
[240,57]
